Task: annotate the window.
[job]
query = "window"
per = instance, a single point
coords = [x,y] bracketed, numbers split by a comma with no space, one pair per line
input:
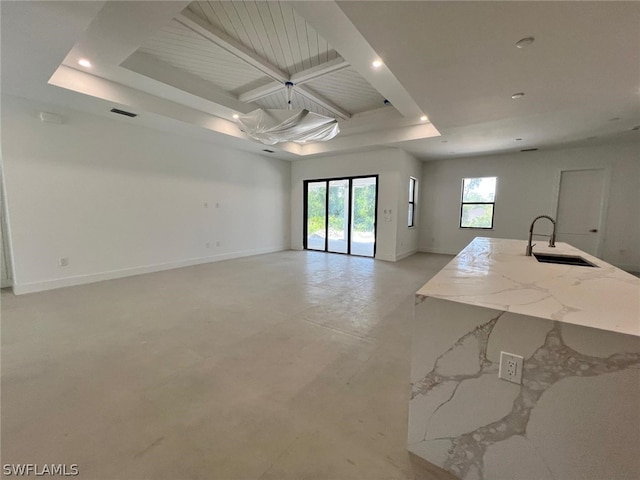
[478,201]
[412,201]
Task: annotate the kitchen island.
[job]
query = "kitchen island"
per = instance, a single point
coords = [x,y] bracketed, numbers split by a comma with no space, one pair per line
[576,414]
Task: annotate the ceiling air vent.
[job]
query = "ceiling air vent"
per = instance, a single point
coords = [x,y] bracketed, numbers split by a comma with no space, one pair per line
[268,151]
[529,150]
[122,112]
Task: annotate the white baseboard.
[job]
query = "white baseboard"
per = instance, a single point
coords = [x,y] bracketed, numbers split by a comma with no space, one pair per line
[401,256]
[22,288]
[386,257]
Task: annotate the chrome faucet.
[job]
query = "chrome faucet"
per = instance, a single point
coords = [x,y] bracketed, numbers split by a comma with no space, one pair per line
[552,237]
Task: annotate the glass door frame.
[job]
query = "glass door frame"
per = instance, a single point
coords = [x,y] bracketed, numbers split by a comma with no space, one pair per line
[349,215]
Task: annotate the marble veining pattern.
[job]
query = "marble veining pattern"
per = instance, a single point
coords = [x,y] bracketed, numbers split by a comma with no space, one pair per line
[495,273]
[436,376]
[550,363]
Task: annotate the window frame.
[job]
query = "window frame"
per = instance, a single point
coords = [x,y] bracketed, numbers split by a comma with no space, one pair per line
[463,203]
[412,202]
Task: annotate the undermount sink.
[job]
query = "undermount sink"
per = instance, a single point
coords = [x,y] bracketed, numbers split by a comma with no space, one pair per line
[563,259]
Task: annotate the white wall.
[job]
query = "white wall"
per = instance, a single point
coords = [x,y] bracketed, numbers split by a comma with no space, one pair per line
[408,237]
[117,199]
[390,164]
[527,187]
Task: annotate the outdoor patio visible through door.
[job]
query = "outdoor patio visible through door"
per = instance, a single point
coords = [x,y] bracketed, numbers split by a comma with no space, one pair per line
[340,215]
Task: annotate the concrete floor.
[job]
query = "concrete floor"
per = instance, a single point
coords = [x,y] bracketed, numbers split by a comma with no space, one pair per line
[292,365]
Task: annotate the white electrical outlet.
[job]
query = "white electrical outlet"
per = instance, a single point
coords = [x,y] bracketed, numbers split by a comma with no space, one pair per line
[63,261]
[511,367]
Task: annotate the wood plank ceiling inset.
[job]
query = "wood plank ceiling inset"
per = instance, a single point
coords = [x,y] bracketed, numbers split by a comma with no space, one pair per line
[272,30]
[279,101]
[182,48]
[348,89]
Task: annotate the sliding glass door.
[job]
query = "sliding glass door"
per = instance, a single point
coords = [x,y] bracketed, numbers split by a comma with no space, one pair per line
[363,224]
[315,216]
[340,215]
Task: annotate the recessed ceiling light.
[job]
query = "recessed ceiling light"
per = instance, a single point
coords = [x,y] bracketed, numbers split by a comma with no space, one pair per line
[445,141]
[636,128]
[377,63]
[83,62]
[518,139]
[525,42]
[517,95]
[614,119]
[423,118]
[236,116]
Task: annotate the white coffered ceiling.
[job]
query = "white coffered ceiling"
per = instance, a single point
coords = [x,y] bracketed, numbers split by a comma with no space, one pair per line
[272,30]
[190,67]
[250,49]
[182,48]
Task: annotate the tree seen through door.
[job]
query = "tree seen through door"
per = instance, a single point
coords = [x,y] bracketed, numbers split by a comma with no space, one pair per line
[327,219]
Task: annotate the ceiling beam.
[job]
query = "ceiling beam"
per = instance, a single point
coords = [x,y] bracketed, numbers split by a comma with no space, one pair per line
[275,87]
[297,78]
[236,48]
[260,92]
[319,71]
[328,19]
[230,44]
[323,102]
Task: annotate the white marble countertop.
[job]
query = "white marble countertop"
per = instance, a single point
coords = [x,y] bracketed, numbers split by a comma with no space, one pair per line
[495,273]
